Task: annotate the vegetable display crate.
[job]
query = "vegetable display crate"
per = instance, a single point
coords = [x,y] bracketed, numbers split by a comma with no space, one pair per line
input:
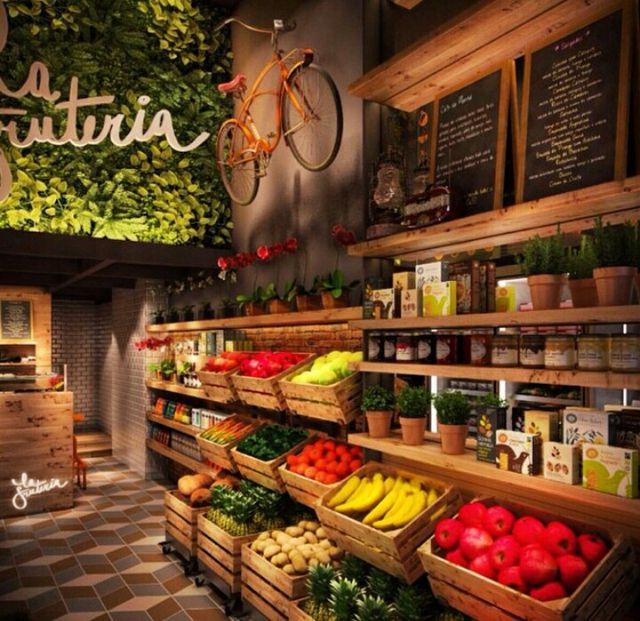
[265,473]
[339,402]
[392,551]
[604,594]
[182,522]
[265,392]
[218,386]
[221,553]
[303,489]
[220,454]
[267,588]
[296,613]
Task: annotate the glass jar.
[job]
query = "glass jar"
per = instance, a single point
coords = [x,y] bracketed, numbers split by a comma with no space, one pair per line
[532,350]
[389,347]
[374,347]
[405,347]
[425,347]
[480,349]
[560,353]
[447,348]
[504,350]
[625,353]
[593,352]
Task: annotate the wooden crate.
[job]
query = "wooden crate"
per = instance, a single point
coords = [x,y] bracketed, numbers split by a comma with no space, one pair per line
[339,402]
[218,386]
[221,553]
[392,551]
[303,489]
[267,588]
[296,613]
[265,472]
[605,594]
[265,393]
[220,454]
[182,521]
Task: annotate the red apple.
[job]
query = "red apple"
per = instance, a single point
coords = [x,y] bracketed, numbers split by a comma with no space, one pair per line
[448,532]
[537,566]
[455,556]
[559,539]
[474,542]
[504,552]
[472,514]
[498,521]
[573,570]
[482,565]
[512,578]
[549,591]
[592,548]
[527,529]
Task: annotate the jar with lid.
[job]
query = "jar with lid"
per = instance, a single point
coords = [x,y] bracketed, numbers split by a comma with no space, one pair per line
[560,353]
[593,352]
[532,350]
[425,347]
[374,347]
[405,347]
[448,348]
[479,348]
[389,346]
[625,353]
[504,350]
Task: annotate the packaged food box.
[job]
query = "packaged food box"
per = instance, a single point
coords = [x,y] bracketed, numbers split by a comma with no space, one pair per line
[542,422]
[509,298]
[409,303]
[487,422]
[383,303]
[404,280]
[436,271]
[589,425]
[439,299]
[610,469]
[561,462]
[628,433]
[518,452]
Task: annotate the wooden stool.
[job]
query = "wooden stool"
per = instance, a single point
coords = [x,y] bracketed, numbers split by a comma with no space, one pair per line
[79,466]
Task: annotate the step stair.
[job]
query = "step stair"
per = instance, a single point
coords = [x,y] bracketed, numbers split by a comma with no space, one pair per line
[93,444]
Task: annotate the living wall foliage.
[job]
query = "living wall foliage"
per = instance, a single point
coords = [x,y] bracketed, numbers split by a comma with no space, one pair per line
[165,49]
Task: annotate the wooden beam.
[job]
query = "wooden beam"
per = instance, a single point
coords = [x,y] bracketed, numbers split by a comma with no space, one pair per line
[96,267]
[36,265]
[51,281]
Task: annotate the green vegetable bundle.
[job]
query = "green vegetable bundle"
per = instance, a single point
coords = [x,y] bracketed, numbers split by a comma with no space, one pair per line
[271,441]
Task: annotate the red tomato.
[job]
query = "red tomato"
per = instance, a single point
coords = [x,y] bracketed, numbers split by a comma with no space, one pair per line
[319,444]
[342,469]
[321,477]
[321,464]
[354,465]
[307,449]
[330,478]
[315,455]
[304,459]
[329,445]
[341,449]
[330,456]
[310,472]
[331,467]
[298,468]
[345,457]
[356,451]
[292,460]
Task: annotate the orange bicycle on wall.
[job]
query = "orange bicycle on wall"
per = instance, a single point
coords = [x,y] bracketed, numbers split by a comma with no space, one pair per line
[308,115]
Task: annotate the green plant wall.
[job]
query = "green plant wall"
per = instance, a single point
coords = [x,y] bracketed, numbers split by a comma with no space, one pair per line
[165,49]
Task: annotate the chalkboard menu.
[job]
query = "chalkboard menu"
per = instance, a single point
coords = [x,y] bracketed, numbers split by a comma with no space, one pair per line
[572,111]
[470,141]
[15,319]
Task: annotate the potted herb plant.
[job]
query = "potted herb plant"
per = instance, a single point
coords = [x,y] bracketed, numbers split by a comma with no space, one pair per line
[187,312]
[228,308]
[378,404]
[158,316]
[251,304]
[453,409]
[543,264]
[308,299]
[173,315]
[334,292]
[206,311]
[413,408]
[276,303]
[168,370]
[154,370]
[184,368]
[580,264]
[616,252]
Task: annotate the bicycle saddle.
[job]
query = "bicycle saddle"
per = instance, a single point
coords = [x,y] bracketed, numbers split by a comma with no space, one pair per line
[237,84]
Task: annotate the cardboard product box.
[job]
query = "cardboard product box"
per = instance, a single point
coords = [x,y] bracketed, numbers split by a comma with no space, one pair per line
[487,422]
[409,303]
[589,425]
[439,299]
[467,278]
[404,280]
[509,298]
[543,422]
[561,462]
[610,469]
[383,303]
[517,418]
[518,452]
[628,433]
[436,271]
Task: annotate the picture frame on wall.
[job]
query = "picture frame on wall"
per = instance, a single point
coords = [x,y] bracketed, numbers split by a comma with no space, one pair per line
[16,320]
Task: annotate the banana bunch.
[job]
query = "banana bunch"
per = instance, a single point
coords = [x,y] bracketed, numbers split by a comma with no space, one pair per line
[384,503]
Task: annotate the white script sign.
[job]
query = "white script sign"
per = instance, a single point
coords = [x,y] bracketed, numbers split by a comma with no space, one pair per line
[26,487]
[42,130]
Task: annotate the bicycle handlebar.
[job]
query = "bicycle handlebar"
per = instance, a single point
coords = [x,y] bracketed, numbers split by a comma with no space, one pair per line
[279,25]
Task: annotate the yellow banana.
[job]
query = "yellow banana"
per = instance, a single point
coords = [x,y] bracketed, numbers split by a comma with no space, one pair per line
[362,490]
[416,483]
[433,496]
[385,504]
[389,482]
[347,490]
[368,499]
[404,496]
[418,505]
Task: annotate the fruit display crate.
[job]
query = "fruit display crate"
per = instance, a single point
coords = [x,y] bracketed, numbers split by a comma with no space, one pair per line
[392,551]
[296,613]
[268,588]
[218,386]
[182,522]
[266,392]
[220,553]
[304,490]
[220,454]
[604,594]
[339,402]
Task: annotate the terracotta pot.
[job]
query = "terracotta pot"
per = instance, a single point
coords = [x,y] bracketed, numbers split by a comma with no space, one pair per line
[328,301]
[583,292]
[546,290]
[614,285]
[253,308]
[452,438]
[413,430]
[379,423]
[308,302]
[278,306]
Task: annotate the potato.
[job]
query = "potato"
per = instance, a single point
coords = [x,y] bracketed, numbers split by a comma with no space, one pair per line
[276,533]
[260,546]
[282,538]
[299,564]
[313,562]
[323,557]
[287,547]
[269,541]
[336,553]
[289,569]
[294,531]
[263,536]
[280,559]
[325,544]
[298,541]
[269,551]
[302,524]
[312,526]
[321,533]
[306,553]
[310,537]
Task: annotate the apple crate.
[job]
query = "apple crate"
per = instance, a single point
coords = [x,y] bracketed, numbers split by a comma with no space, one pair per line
[267,588]
[220,454]
[266,392]
[392,551]
[221,553]
[218,386]
[303,489]
[182,522]
[606,593]
[339,402]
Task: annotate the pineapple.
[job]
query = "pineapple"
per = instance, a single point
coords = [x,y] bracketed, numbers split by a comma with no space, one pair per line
[319,583]
[413,603]
[344,596]
[382,584]
[450,615]
[372,608]
[356,569]
[269,508]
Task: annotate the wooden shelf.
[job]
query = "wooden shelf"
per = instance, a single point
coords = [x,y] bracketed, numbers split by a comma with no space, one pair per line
[591,379]
[324,316]
[615,201]
[178,389]
[563,316]
[189,430]
[165,451]
[18,364]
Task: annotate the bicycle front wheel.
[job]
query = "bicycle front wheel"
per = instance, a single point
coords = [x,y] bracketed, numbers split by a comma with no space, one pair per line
[237,164]
[312,117]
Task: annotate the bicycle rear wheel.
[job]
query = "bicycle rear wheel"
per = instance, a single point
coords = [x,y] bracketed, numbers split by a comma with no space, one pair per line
[237,164]
[313,132]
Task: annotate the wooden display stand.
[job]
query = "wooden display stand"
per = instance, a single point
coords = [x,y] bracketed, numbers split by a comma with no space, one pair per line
[218,386]
[182,522]
[304,490]
[296,613]
[220,454]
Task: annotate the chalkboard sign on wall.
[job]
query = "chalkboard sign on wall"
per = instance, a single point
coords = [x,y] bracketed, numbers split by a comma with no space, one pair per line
[469,146]
[15,319]
[575,109]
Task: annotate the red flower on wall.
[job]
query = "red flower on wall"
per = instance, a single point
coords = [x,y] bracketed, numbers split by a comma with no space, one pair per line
[264,253]
[342,236]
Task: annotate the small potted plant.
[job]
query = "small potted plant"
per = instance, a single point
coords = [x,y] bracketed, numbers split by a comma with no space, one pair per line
[378,404]
[413,408]
[580,264]
[184,368]
[187,312]
[453,409]
[154,370]
[168,370]
[206,311]
[172,315]
[276,303]
[308,299]
[616,252]
[543,264]
[334,292]
[228,308]
[158,316]
[251,304]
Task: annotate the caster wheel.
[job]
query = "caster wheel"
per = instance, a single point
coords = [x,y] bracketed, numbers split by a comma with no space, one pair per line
[199,581]
[166,549]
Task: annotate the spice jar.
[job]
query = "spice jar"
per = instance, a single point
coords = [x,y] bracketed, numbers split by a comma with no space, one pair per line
[480,349]
[625,353]
[405,347]
[374,346]
[425,347]
[504,350]
[593,352]
[532,350]
[447,348]
[560,353]
[388,347]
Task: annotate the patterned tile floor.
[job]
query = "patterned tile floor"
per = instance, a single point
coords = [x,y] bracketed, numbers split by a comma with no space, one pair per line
[99,561]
